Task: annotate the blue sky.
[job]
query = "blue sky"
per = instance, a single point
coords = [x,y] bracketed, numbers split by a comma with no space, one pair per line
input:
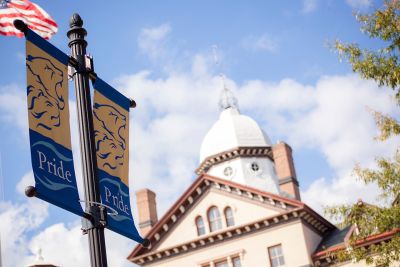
[277,60]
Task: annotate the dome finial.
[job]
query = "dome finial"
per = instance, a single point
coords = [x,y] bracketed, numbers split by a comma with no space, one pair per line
[39,256]
[227,99]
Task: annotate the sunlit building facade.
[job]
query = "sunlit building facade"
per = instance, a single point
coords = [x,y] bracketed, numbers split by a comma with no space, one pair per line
[244,209]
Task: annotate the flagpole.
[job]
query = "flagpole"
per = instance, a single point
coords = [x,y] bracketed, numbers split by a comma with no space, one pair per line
[77,43]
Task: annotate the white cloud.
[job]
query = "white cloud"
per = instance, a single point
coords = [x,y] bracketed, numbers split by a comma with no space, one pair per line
[343,130]
[330,117]
[76,246]
[167,127]
[151,41]
[309,6]
[118,248]
[287,95]
[13,106]
[25,181]
[73,252]
[339,124]
[156,33]
[261,43]
[359,4]
[17,220]
[346,189]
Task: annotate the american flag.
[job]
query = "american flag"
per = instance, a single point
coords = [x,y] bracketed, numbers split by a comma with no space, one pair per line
[33,15]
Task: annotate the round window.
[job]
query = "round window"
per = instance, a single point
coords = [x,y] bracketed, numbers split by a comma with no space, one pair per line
[228,171]
[254,167]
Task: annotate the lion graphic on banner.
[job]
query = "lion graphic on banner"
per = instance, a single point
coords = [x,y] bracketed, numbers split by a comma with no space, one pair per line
[110,137]
[45,99]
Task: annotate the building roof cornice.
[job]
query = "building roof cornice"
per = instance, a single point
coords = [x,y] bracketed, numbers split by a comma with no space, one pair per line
[262,151]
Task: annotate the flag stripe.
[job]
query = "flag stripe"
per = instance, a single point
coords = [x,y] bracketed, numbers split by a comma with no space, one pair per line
[8,13]
[33,15]
[33,8]
[11,33]
[13,10]
[37,25]
[27,19]
[43,31]
[20,2]
[48,19]
[34,11]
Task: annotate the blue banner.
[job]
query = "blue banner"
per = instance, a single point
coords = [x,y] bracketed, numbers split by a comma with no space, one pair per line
[111,128]
[49,132]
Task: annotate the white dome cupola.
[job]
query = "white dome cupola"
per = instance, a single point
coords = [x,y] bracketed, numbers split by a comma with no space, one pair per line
[237,149]
[230,131]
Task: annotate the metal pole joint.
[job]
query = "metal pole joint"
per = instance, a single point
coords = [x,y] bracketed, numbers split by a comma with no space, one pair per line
[96,217]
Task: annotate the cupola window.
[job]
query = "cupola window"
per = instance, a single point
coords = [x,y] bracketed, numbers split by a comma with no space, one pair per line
[228,171]
[201,230]
[229,216]
[254,167]
[214,219]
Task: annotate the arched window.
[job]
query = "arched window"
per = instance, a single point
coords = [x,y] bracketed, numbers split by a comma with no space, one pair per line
[230,221]
[201,230]
[214,219]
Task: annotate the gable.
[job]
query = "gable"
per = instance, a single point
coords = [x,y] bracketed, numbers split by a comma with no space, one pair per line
[244,209]
[195,193]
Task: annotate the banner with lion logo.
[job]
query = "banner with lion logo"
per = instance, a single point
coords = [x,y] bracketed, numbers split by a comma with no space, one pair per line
[49,132]
[111,129]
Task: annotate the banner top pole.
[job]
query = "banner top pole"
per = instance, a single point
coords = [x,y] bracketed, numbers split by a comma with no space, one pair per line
[20,25]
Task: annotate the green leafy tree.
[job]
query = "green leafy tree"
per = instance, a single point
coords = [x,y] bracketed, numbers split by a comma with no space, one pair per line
[383,66]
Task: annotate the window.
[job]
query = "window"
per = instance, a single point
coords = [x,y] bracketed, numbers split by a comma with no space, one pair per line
[226,261]
[229,217]
[276,256]
[214,219]
[221,264]
[201,230]
[236,262]
[254,166]
[228,171]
